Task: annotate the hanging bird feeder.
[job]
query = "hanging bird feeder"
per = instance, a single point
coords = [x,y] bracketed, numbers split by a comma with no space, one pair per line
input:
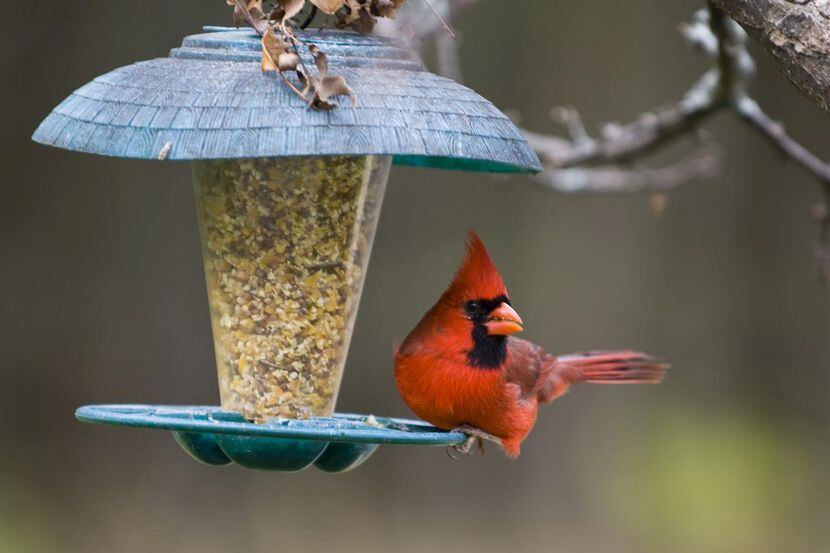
[288,200]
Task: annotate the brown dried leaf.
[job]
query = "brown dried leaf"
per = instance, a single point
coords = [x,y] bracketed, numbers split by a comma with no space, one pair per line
[365,23]
[273,48]
[320,59]
[255,9]
[290,8]
[328,6]
[305,82]
[279,49]
[349,13]
[249,13]
[325,86]
[288,61]
[386,8]
[329,86]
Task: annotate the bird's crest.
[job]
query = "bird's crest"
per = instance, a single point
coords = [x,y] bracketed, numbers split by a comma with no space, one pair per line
[477,277]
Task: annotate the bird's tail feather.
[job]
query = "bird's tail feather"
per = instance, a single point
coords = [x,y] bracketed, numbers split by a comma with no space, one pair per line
[612,367]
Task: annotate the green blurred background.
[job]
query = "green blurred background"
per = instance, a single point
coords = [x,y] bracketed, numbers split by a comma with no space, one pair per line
[102,299]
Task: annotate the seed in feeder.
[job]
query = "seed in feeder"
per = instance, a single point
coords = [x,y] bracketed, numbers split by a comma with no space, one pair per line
[285,243]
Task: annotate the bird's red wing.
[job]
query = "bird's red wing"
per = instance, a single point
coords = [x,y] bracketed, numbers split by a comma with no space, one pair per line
[524,365]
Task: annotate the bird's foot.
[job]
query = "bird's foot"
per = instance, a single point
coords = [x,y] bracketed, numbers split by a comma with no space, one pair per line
[475,436]
[466,448]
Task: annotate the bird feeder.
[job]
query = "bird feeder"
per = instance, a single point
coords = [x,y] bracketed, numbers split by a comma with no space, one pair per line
[288,199]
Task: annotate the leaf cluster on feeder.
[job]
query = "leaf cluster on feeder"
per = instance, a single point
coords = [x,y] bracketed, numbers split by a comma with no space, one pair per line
[276,21]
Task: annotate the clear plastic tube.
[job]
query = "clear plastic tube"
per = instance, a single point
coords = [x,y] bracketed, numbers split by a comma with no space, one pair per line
[286,244]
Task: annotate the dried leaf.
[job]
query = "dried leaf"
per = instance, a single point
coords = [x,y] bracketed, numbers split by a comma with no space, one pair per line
[328,6]
[280,50]
[255,9]
[290,8]
[288,61]
[305,82]
[249,13]
[364,24]
[386,8]
[273,48]
[320,59]
[327,87]
[350,13]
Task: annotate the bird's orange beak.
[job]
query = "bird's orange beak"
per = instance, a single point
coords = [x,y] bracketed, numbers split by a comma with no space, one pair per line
[503,321]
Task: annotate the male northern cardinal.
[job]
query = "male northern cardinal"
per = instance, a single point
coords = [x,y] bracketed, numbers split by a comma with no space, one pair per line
[460,368]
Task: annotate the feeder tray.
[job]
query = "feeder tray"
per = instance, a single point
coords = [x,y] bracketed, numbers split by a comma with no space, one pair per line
[288,200]
[216,437]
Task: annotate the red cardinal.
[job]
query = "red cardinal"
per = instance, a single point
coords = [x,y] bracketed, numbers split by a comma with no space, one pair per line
[460,368]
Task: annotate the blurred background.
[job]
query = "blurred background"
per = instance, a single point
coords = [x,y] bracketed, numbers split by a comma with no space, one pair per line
[102,300]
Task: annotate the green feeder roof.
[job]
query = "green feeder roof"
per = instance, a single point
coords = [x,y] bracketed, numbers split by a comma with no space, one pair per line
[210,100]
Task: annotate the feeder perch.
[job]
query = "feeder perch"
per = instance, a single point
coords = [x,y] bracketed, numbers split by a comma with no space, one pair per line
[288,199]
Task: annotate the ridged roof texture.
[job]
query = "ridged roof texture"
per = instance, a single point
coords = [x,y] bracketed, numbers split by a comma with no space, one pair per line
[210,100]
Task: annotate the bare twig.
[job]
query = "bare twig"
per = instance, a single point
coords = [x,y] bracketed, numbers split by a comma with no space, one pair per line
[724,42]
[440,19]
[449,59]
[702,164]
[649,132]
[774,132]
[722,88]
[580,163]
[418,25]
[751,113]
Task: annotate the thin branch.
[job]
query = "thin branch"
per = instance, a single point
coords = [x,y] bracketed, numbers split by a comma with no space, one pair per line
[774,132]
[294,88]
[441,20]
[649,132]
[724,42]
[701,165]
[580,163]
[419,25]
[449,55]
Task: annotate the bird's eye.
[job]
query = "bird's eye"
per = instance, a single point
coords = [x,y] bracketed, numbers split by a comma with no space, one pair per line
[472,307]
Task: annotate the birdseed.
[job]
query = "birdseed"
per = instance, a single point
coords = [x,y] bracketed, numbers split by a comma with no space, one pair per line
[286,243]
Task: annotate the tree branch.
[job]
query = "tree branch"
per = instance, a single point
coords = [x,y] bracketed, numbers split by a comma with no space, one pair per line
[430,20]
[649,132]
[724,87]
[774,132]
[702,164]
[720,39]
[796,33]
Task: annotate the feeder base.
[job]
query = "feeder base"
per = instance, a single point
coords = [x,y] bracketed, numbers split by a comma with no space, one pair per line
[216,437]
